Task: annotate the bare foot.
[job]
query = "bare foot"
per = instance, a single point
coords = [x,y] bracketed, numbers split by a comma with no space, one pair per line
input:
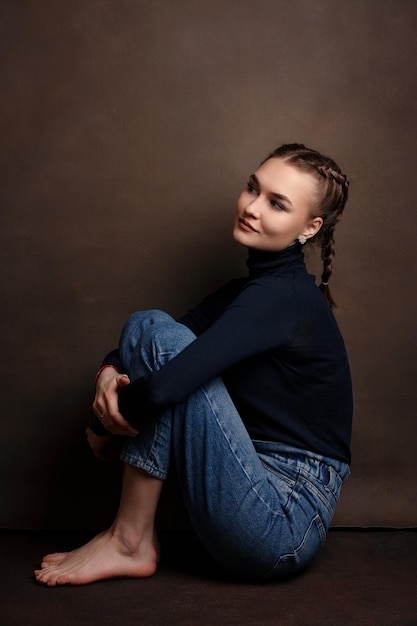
[105,556]
[54,558]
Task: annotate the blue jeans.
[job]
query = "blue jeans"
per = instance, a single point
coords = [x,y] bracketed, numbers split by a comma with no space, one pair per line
[261,509]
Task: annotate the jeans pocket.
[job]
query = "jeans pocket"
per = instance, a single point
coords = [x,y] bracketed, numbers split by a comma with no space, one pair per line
[293,562]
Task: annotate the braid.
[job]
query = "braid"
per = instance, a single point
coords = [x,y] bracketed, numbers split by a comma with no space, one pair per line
[331,197]
[329,172]
[336,193]
[327,255]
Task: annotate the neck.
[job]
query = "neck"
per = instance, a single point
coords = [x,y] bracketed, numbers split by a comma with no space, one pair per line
[268,261]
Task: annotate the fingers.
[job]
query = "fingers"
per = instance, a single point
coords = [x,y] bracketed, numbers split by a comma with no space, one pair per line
[113,420]
[115,423]
[106,406]
[123,380]
[120,426]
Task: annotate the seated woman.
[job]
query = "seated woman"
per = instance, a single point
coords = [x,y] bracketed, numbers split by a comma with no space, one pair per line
[247,397]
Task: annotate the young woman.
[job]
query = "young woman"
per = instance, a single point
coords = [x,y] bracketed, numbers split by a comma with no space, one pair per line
[247,397]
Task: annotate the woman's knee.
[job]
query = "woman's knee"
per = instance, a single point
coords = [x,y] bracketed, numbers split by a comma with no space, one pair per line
[153,332]
[134,329]
[138,323]
[141,320]
[167,338]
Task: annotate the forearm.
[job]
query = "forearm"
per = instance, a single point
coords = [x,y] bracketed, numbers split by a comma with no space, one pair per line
[113,358]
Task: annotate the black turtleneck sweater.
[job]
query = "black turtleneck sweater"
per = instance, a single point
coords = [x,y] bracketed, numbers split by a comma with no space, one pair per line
[274,341]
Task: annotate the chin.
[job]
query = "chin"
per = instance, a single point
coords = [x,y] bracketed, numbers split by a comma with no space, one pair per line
[237,236]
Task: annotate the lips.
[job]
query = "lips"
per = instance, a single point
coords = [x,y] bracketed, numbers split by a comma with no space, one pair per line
[246,226]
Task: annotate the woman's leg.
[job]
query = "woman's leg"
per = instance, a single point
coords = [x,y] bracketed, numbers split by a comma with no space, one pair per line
[128,549]
[256,510]
[235,504]
[239,507]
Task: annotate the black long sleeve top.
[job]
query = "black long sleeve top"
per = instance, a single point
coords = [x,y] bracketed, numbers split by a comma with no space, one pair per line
[273,339]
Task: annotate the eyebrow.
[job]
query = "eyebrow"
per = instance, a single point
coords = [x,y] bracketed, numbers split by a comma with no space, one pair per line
[279,196]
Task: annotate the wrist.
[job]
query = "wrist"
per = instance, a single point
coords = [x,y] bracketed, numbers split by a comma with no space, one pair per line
[102,368]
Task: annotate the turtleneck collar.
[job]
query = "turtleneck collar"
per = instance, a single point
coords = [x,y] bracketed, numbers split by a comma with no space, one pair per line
[266,262]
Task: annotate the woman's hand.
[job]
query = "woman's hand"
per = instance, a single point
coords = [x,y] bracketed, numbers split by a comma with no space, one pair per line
[106,405]
[104,448]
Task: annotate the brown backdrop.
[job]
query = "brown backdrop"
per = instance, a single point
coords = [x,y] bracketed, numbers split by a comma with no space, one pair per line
[128,129]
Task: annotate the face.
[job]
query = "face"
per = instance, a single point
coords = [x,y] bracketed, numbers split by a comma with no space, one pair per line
[275,207]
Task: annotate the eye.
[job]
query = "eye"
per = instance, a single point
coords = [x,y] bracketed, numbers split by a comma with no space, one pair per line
[276,205]
[251,187]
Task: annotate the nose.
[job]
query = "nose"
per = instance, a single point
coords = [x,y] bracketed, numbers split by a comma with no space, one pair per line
[253,208]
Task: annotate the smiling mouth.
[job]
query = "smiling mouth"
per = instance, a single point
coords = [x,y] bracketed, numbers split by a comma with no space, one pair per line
[246,226]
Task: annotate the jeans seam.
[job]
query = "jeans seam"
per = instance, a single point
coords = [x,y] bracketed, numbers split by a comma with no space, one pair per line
[316,491]
[141,464]
[290,481]
[289,555]
[229,443]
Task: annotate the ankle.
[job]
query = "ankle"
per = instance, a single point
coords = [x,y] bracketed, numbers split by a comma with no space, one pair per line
[130,541]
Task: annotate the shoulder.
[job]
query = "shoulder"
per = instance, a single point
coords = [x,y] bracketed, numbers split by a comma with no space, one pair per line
[268,299]
[269,288]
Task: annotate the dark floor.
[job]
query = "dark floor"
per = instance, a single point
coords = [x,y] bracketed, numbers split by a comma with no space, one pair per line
[361,577]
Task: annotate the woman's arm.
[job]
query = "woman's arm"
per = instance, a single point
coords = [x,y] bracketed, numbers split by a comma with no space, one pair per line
[260,318]
[113,359]
[201,317]
[107,417]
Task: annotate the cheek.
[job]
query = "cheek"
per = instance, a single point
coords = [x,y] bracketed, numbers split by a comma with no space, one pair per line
[272,223]
[240,208]
[240,204]
[279,224]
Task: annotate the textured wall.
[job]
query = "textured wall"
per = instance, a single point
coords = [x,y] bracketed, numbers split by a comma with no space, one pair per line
[128,129]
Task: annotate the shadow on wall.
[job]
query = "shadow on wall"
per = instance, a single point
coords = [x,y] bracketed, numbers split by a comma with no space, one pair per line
[67,487]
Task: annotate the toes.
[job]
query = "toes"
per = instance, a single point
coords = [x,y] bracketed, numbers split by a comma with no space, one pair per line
[45,578]
[54,557]
[46,562]
[40,576]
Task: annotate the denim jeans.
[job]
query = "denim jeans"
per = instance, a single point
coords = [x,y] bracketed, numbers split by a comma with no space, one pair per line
[261,509]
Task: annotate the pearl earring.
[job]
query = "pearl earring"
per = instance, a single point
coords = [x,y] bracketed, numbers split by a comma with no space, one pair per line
[302,239]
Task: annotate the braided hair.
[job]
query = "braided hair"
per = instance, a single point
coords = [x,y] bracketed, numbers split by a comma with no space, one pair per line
[331,197]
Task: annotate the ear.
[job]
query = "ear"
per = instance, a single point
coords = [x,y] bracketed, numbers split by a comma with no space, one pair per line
[312,227]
